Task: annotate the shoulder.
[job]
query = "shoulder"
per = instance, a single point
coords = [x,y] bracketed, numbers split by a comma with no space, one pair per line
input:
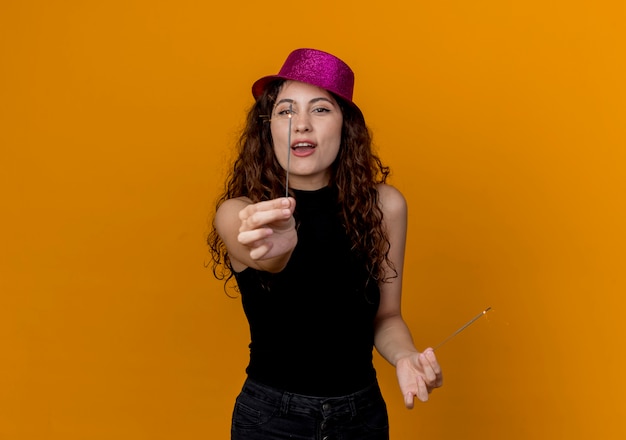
[392,201]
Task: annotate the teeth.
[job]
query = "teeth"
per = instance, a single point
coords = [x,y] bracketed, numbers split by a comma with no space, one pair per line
[302,144]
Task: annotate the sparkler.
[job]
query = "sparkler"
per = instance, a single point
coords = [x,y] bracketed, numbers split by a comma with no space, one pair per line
[288,151]
[463,327]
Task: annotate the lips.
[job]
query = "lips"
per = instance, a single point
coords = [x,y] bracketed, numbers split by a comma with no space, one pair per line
[303,148]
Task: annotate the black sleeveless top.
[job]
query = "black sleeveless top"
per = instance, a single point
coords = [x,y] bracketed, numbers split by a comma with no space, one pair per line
[311,325]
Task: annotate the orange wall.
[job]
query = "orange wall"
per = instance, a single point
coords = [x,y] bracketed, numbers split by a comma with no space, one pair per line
[504,123]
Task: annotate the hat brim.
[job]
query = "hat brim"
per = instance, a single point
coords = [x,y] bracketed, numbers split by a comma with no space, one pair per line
[259,86]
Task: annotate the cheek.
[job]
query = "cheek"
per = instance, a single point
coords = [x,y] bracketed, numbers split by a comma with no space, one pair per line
[277,137]
[273,131]
[338,130]
[279,145]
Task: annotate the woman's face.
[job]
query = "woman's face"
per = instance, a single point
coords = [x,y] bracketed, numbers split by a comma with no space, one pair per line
[316,122]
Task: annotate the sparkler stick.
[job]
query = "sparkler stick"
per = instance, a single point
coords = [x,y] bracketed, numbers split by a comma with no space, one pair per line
[463,327]
[288,151]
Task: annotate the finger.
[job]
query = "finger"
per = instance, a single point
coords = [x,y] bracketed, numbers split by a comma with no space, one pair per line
[430,367]
[267,205]
[429,373]
[409,400]
[251,238]
[432,359]
[263,218]
[422,389]
[260,251]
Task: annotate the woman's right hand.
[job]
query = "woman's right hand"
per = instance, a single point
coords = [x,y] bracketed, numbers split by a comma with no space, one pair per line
[259,235]
[268,229]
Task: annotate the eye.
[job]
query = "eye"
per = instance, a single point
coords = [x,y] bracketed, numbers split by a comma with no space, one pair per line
[321,110]
[285,113]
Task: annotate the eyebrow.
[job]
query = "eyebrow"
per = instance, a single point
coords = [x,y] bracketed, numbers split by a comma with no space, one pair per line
[312,101]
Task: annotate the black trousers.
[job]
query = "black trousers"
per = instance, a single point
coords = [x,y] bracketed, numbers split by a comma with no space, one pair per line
[266,413]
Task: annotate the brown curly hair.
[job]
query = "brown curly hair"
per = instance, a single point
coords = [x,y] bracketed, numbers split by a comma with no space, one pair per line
[356,171]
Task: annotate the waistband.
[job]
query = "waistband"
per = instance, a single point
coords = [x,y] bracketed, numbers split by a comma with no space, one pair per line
[312,405]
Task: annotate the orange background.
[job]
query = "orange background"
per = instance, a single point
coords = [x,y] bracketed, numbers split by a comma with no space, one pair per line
[504,124]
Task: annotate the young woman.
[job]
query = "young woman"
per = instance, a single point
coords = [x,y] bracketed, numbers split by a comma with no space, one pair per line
[315,239]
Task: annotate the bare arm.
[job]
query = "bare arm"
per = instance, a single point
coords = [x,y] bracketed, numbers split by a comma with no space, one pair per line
[418,373]
[258,235]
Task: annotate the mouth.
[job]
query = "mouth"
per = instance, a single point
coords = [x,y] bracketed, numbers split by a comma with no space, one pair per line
[302,146]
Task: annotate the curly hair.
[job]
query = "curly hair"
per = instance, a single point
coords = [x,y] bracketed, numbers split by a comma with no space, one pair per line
[356,172]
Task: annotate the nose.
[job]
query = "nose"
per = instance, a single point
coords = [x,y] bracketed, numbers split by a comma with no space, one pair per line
[301,123]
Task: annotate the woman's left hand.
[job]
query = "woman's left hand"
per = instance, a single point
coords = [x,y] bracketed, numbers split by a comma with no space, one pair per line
[418,374]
